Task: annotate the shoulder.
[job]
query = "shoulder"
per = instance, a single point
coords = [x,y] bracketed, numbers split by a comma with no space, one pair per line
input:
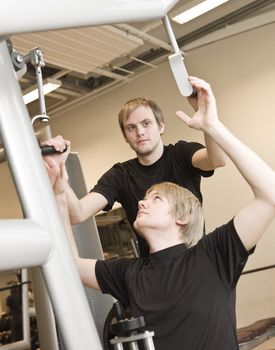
[124,166]
[184,147]
[226,237]
[120,168]
[117,268]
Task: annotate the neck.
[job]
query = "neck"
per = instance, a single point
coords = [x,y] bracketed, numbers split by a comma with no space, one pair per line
[158,242]
[150,158]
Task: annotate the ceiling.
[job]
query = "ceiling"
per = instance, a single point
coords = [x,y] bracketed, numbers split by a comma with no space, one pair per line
[90,61]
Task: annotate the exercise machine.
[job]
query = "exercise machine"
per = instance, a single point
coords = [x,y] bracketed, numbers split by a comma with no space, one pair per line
[176,61]
[124,332]
[39,240]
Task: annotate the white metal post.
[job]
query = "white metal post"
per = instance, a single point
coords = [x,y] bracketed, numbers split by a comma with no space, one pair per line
[37,200]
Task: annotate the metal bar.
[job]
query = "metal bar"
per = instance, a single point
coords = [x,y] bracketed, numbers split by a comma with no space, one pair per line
[121,69]
[148,343]
[25,306]
[41,97]
[170,33]
[38,204]
[44,312]
[23,243]
[142,62]
[258,269]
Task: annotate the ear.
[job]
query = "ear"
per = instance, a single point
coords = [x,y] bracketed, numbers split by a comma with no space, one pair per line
[184,221]
[125,138]
[161,128]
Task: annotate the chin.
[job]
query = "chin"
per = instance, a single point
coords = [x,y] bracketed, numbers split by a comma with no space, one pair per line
[137,227]
[143,150]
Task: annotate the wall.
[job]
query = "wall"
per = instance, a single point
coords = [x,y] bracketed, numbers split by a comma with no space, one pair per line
[241,70]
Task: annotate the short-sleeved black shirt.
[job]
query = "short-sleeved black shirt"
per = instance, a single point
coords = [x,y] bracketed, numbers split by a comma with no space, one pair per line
[127,182]
[187,296]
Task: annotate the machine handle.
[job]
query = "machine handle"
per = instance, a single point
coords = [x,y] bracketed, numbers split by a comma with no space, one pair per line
[47,150]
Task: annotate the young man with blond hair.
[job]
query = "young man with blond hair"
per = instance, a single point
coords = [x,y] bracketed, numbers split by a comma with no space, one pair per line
[186,287]
[142,124]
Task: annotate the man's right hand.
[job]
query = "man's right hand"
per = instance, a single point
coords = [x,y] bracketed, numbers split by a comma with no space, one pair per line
[57,174]
[60,144]
[55,163]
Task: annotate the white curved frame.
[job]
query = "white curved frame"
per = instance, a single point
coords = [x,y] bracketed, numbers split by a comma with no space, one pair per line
[23,16]
[56,266]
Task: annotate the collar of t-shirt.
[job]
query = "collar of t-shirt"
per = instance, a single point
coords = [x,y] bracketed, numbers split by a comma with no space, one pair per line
[151,167]
[168,253]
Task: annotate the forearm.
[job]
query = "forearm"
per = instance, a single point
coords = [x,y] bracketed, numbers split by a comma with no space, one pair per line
[86,267]
[82,209]
[216,155]
[74,205]
[64,212]
[259,176]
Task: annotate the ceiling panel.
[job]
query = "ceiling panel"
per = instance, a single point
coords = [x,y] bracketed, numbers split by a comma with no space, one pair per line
[82,50]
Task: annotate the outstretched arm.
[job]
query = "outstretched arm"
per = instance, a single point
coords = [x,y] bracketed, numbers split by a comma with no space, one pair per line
[212,156]
[58,177]
[253,219]
[90,204]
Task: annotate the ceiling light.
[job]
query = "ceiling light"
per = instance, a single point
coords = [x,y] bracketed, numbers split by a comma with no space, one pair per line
[49,85]
[197,10]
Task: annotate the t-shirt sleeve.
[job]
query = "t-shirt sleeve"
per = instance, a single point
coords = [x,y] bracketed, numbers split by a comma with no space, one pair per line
[111,277]
[185,151]
[108,186]
[227,253]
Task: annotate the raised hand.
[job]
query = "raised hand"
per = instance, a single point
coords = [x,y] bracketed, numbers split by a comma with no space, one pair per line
[59,143]
[57,174]
[204,105]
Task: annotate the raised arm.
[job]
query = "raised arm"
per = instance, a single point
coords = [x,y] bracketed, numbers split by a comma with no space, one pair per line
[211,157]
[80,209]
[253,219]
[58,177]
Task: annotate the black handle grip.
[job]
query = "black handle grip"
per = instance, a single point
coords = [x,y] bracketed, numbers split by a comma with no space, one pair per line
[194,94]
[46,150]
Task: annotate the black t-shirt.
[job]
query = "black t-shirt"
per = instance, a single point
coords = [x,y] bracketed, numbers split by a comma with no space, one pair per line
[187,296]
[127,182]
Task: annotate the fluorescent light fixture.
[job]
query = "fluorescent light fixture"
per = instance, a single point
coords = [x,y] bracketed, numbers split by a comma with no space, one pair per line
[49,85]
[197,10]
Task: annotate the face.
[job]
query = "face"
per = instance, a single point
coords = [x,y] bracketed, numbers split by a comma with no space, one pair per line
[154,212]
[142,131]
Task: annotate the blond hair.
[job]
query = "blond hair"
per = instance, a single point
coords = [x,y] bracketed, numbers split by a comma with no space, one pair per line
[131,105]
[184,205]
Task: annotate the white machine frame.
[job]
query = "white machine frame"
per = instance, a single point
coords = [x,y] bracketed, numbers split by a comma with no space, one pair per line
[39,241]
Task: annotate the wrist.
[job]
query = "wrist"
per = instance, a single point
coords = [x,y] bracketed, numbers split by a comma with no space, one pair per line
[61,197]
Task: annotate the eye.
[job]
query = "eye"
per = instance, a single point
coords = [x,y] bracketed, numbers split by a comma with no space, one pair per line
[130,127]
[146,123]
[157,197]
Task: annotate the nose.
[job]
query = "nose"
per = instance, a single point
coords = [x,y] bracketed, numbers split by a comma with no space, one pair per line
[140,130]
[141,204]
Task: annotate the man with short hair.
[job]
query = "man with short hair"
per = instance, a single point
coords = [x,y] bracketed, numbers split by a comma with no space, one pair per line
[186,287]
[142,124]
